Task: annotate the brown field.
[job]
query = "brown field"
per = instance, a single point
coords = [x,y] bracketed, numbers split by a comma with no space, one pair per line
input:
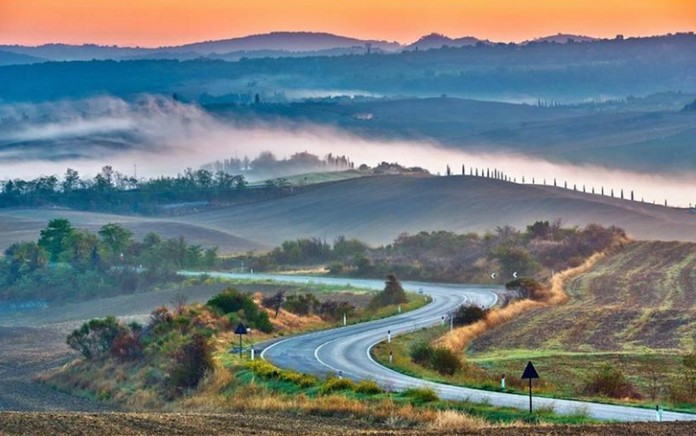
[271,424]
[643,297]
[376,210]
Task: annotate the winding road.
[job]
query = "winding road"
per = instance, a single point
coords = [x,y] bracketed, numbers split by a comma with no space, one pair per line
[347,349]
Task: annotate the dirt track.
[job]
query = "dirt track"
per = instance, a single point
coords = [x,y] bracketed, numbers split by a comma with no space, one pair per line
[268,424]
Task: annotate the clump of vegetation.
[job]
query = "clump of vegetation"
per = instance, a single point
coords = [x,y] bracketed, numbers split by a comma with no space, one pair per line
[368,387]
[441,359]
[468,314]
[392,294]
[421,395]
[610,382]
[527,287]
[303,304]
[75,264]
[337,384]
[240,307]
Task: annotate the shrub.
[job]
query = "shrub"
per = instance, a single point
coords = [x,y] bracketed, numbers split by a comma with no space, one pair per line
[468,314]
[306,304]
[527,288]
[332,309]
[95,337]
[368,387]
[232,302]
[421,353]
[421,395]
[610,382]
[336,384]
[445,361]
[393,293]
[127,345]
[190,362]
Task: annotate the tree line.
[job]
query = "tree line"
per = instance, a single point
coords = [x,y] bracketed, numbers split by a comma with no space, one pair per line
[69,264]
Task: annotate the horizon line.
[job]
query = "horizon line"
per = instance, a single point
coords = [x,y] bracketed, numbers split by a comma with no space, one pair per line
[402,44]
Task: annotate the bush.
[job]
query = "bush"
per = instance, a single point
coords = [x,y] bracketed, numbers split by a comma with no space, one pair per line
[468,314]
[306,304]
[445,361]
[610,382]
[266,370]
[527,288]
[190,362]
[336,384]
[421,353]
[232,302]
[421,395]
[333,310]
[95,337]
[368,387]
[393,293]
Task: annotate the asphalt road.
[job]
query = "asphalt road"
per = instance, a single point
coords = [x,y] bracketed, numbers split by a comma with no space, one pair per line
[347,349]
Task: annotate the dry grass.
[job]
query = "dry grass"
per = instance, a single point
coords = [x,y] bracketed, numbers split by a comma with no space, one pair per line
[459,338]
[451,420]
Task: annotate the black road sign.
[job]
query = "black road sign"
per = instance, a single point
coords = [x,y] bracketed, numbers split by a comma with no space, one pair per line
[240,330]
[529,373]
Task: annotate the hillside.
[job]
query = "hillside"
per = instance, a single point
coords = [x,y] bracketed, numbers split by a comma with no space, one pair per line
[376,210]
[641,297]
[25,224]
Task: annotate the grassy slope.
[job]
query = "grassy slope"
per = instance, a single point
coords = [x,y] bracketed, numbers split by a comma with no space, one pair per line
[639,298]
[635,310]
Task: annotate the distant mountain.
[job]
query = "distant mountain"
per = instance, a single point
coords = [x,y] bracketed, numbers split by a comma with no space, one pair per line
[437,40]
[67,52]
[10,58]
[564,38]
[288,41]
[276,44]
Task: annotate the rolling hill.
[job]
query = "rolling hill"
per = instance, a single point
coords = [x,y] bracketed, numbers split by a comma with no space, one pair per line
[376,209]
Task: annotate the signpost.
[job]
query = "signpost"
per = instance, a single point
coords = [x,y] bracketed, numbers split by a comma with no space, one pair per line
[529,373]
[240,330]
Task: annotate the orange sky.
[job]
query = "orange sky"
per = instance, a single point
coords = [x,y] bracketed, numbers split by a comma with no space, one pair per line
[171,22]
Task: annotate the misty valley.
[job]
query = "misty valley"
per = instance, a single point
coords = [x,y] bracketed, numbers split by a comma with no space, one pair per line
[306,232]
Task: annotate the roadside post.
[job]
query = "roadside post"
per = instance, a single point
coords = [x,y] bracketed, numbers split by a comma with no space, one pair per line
[253,352]
[389,336]
[391,358]
[502,381]
[345,321]
[241,330]
[530,373]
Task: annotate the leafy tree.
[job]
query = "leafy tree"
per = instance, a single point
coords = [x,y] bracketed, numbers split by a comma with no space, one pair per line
[54,237]
[115,238]
[24,258]
[393,293]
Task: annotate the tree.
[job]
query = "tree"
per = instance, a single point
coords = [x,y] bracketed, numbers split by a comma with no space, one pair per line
[190,363]
[54,237]
[24,258]
[393,293]
[274,302]
[468,314]
[115,238]
[71,180]
[95,337]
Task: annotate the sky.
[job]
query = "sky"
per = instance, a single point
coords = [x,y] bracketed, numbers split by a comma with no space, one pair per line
[151,23]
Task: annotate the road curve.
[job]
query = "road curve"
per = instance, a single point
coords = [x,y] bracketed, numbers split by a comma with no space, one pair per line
[347,349]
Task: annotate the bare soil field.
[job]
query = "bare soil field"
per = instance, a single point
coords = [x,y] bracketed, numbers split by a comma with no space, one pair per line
[271,424]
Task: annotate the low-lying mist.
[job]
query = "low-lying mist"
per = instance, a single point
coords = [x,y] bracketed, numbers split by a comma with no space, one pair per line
[163,137]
